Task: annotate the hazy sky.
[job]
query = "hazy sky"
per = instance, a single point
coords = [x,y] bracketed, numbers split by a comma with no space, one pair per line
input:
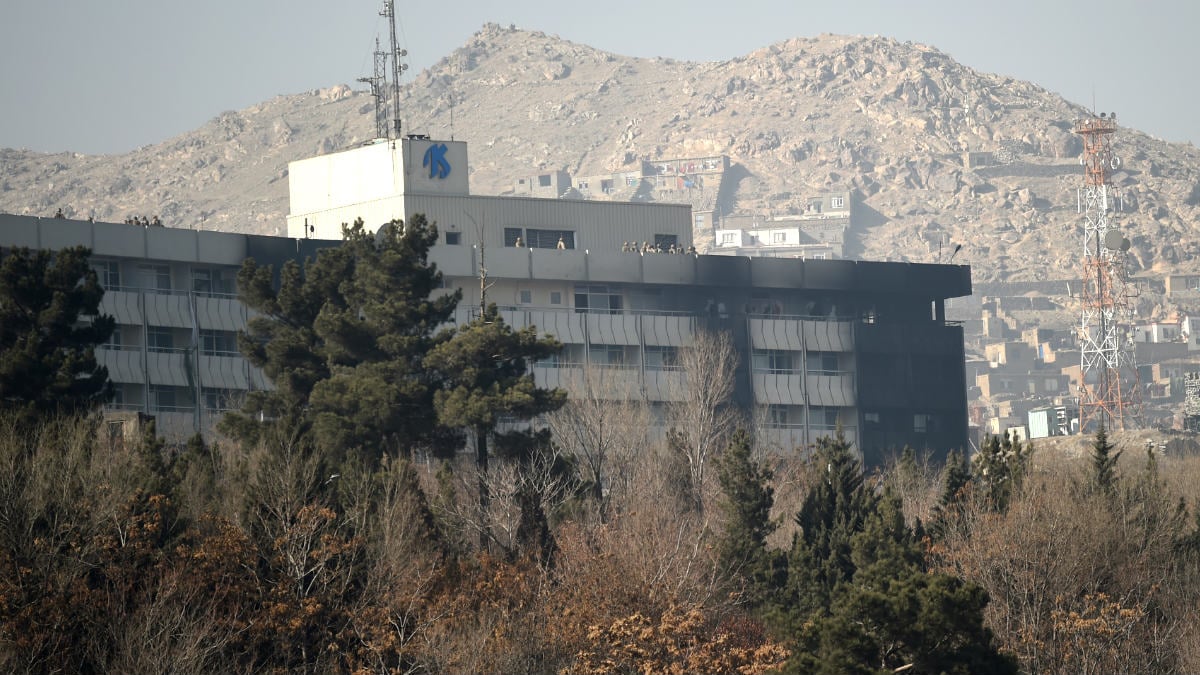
[106,77]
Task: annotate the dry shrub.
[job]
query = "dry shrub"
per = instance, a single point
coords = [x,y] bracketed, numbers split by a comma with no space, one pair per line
[1068,568]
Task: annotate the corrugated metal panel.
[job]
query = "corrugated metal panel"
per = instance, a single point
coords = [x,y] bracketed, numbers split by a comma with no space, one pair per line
[123,306]
[779,389]
[612,329]
[223,372]
[667,331]
[781,334]
[169,368]
[791,439]
[124,366]
[172,311]
[831,390]
[566,326]
[220,313]
[829,336]
[665,385]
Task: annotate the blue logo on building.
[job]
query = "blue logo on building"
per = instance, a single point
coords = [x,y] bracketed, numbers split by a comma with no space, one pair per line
[435,159]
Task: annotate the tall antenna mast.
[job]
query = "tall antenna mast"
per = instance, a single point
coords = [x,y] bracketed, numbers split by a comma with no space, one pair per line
[1109,392]
[389,11]
[377,81]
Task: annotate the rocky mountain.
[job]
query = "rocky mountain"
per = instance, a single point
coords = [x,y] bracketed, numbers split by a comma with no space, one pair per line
[890,120]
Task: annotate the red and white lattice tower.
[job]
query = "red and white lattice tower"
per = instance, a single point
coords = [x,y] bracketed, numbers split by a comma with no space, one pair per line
[1109,391]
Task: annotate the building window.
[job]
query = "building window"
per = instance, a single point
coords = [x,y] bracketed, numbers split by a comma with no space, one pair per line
[525,296]
[207,281]
[922,423]
[777,416]
[598,299]
[114,341]
[155,277]
[453,238]
[728,237]
[549,238]
[108,273]
[666,240]
[218,343]
[512,235]
[822,418]
[218,400]
[837,202]
[773,361]
[779,237]
[607,355]
[662,358]
[822,363]
[163,398]
[555,297]
[159,339]
[583,185]
[544,180]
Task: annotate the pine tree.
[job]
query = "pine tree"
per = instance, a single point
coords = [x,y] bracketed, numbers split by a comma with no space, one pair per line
[485,378]
[342,340]
[50,326]
[999,468]
[379,395]
[956,476]
[1104,462]
[830,515]
[864,600]
[746,501]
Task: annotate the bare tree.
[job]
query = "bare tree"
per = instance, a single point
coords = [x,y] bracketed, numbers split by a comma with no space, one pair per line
[703,414]
[602,425]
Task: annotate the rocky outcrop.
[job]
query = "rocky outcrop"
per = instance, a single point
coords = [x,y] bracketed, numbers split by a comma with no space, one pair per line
[888,119]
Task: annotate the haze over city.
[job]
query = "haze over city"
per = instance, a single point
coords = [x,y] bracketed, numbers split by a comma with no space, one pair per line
[106,78]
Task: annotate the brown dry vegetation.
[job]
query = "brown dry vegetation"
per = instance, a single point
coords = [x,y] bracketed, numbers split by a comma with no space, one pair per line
[227,559]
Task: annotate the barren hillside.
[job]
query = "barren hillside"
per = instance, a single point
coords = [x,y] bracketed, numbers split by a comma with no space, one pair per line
[888,119]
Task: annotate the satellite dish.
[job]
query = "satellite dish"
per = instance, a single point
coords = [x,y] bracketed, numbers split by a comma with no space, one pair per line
[1102,115]
[1125,244]
[1112,240]
[1115,162]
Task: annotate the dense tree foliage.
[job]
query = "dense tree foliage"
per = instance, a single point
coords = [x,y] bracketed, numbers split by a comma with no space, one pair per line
[343,337]
[49,327]
[860,597]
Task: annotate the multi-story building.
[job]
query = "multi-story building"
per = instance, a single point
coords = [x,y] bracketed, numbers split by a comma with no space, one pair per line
[172,292]
[821,344]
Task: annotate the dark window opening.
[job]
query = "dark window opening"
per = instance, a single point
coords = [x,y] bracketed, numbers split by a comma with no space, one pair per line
[512,235]
[550,238]
[544,180]
[666,240]
[453,238]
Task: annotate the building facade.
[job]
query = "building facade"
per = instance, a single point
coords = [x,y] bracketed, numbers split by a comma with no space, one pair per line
[821,344]
[173,294]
